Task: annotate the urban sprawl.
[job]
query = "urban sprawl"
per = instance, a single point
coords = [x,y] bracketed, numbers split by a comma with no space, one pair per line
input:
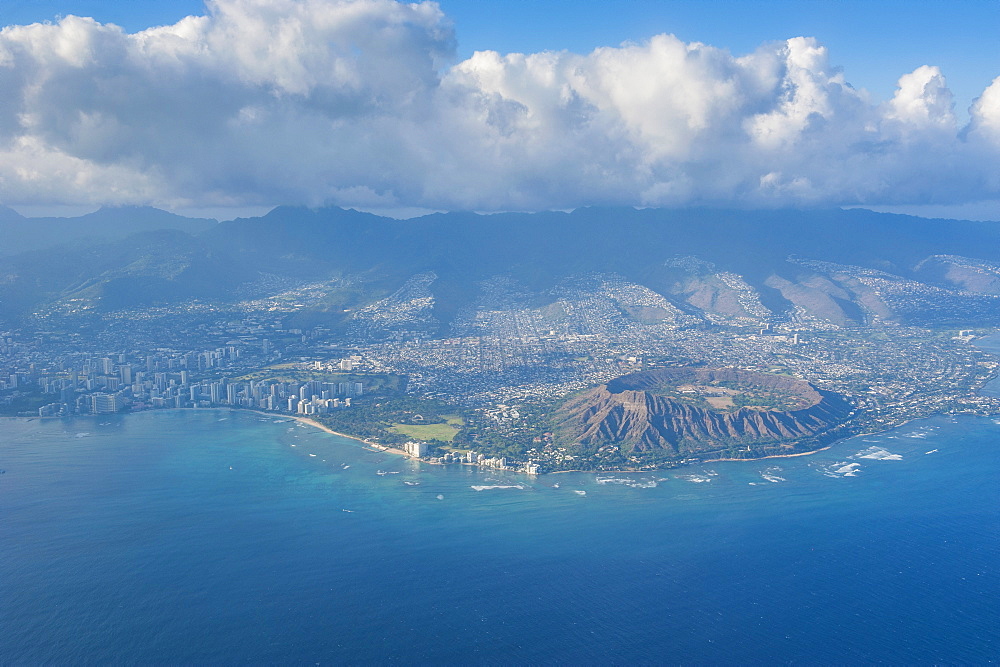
[502,361]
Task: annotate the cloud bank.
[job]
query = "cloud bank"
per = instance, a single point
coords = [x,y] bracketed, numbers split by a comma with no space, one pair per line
[360,103]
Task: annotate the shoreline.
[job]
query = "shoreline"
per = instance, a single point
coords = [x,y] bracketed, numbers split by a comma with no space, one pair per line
[368,444]
[700,461]
[376,447]
[791,456]
[371,446]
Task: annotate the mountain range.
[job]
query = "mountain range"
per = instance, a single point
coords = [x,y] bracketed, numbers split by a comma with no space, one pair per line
[845,267]
[20,234]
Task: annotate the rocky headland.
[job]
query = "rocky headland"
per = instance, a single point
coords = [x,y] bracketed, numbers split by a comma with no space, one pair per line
[696,411]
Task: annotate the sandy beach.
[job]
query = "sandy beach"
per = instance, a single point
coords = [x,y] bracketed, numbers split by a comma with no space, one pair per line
[373,446]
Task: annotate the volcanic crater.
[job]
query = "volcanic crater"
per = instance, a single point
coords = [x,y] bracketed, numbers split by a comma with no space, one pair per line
[696,411]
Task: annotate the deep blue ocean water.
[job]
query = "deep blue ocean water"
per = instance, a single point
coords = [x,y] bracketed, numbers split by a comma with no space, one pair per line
[217,537]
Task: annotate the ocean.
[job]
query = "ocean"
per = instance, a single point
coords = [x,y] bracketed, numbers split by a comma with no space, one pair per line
[219,537]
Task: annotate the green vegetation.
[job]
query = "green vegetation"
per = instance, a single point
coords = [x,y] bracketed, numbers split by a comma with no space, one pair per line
[389,419]
[747,395]
[444,432]
[729,396]
[23,405]
[646,314]
[510,438]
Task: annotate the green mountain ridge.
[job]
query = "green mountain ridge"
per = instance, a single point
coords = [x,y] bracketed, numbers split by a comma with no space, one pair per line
[850,268]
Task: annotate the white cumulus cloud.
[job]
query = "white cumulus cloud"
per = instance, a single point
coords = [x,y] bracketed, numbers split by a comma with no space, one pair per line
[360,102]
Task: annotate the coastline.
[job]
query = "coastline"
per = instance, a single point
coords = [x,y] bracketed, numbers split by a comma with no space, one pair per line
[368,444]
[846,437]
[376,447]
[788,456]
[700,461]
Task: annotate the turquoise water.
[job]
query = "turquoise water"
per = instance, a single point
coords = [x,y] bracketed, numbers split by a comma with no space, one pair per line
[207,537]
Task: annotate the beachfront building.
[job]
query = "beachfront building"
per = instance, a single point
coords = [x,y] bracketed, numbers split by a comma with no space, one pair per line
[416,449]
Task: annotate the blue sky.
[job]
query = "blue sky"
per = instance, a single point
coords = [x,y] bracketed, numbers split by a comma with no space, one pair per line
[231,113]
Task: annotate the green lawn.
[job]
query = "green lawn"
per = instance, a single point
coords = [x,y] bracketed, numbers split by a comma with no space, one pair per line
[443,432]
